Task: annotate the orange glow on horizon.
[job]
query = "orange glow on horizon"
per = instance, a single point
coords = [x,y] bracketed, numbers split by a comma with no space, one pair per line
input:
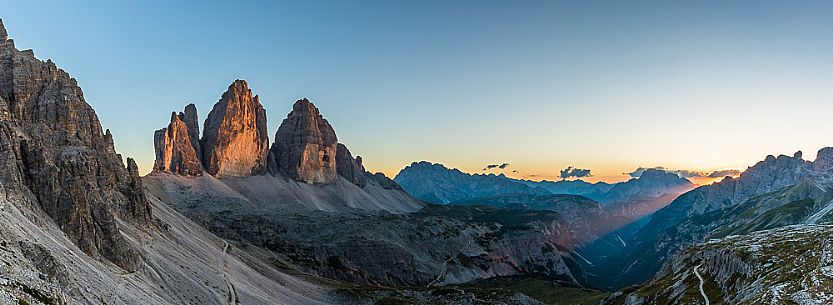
[609,176]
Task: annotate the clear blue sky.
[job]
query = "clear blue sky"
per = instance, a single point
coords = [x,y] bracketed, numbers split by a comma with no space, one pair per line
[604,85]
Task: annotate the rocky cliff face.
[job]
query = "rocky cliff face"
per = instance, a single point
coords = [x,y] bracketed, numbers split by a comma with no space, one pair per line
[235,141]
[175,150]
[350,168]
[696,214]
[824,161]
[306,146]
[53,156]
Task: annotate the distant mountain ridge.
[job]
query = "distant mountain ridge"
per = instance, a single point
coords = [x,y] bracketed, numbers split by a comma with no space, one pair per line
[775,192]
[435,183]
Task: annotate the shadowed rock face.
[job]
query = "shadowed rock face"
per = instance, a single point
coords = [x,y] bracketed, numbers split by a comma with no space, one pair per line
[175,151]
[235,141]
[189,116]
[305,145]
[54,156]
[350,168]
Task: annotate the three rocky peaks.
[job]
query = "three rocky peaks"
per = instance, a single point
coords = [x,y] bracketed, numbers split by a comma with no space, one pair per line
[235,143]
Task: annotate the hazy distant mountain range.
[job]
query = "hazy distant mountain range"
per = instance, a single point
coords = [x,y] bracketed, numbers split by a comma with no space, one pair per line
[435,183]
[229,217]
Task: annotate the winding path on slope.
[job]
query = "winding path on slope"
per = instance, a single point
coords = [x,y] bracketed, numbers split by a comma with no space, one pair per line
[701,284]
[232,293]
[445,264]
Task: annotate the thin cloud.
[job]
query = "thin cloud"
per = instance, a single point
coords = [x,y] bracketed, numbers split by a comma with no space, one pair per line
[724,173]
[498,166]
[684,173]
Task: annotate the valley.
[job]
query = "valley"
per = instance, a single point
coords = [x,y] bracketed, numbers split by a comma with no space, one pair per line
[231,213]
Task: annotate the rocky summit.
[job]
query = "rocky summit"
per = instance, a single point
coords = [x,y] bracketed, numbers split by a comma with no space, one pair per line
[54,156]
[235,141]
[175,149]
[305,145]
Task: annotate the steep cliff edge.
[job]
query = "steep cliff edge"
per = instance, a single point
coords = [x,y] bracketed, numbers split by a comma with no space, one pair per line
[235,142]
[175,150]
[306,145]
[54,156]
[76,223]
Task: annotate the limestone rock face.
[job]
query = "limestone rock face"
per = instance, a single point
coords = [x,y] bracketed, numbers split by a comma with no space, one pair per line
[306,146]
[824,161]
[175,151]
[350,168]
[189,116]
[235,142]
[54,156]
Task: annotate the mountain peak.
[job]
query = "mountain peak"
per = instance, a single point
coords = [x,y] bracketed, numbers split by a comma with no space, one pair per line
[235,142]
[3,34]
[175,150]
[305,145]
[824,160]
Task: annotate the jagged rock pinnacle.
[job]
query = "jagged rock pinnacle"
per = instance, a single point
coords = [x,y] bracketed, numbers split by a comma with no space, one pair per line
[235,142]
[176,152]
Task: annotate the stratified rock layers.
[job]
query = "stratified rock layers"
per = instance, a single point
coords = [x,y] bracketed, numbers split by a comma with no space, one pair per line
[235,141]
[53,155]
[305,145]
[175,151]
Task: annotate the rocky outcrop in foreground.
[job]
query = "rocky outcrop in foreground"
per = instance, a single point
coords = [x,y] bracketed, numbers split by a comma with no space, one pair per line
[54,156]
[235,141]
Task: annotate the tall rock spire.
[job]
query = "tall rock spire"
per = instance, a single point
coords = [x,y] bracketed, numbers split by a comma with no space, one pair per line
[305,145]
[235,142]
[3,34]
[175,150]
[189,116]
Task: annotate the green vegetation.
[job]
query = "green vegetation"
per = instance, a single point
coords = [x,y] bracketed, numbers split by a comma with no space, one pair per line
[788,214]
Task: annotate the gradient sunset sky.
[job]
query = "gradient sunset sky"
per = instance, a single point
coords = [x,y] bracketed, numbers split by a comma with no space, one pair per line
[603,85]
